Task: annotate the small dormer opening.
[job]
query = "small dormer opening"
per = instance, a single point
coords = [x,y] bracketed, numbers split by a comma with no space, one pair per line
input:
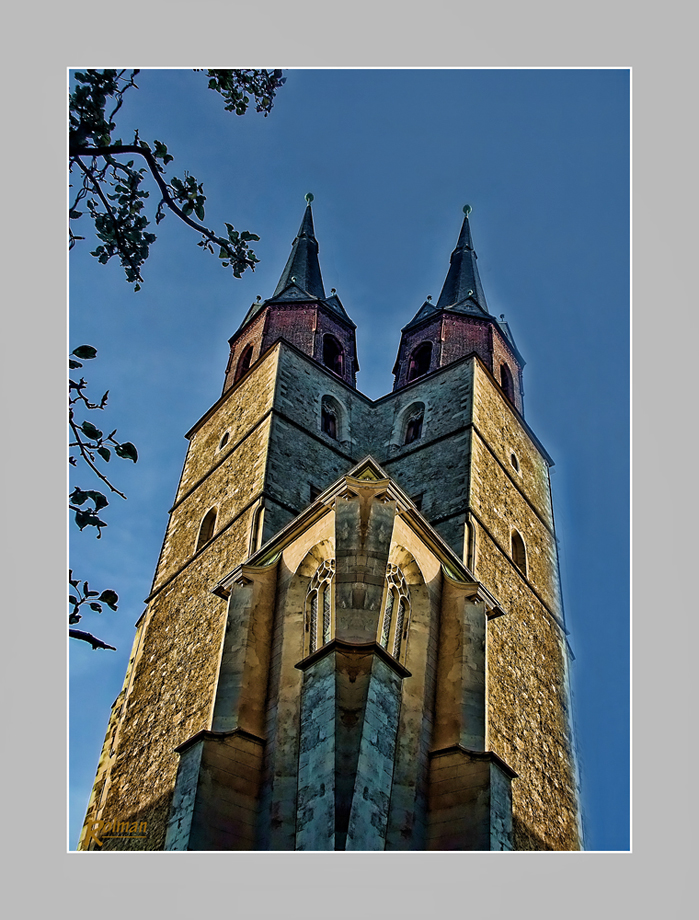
[244,362]
[420,361]
[332,354]
[506,382]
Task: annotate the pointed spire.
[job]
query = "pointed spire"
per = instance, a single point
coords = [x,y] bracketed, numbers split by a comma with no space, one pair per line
[302,269]
[462,289]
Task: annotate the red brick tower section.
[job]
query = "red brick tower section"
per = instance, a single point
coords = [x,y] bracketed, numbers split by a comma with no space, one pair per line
[457,325]
[300,313]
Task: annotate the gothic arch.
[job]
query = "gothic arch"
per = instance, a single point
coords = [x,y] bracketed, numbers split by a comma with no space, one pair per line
[419,361]
[409,425]
[333,418]
[507,383]
[405,598]
[206,529]
[519,552]
[319,608]
[244,363]
[333,354]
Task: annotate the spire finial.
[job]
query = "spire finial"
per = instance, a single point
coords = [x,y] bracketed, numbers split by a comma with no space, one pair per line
[309,197]
[467,209]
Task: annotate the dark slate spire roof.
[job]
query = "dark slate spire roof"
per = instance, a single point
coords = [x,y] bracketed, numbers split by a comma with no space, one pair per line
[301,279]
[462,291]
[302,269]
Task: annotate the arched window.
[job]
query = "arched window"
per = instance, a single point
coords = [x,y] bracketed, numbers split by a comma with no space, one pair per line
[256,529]
[514,461]
[420,361]
[223,441]
[415,417]
[206,531]
[506,383]
[244,362]
[332,354]
[519,553]
[393,628]
[319,608]
[328,418]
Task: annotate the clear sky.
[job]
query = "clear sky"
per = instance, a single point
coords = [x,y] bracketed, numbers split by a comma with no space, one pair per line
[391,156]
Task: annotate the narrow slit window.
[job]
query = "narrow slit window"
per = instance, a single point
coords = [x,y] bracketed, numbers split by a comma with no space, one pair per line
[519,553]
[206,531]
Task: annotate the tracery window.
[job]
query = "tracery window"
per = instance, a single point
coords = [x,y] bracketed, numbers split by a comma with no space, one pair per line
[393,628]
[413,430]
[319,612]
[328,419]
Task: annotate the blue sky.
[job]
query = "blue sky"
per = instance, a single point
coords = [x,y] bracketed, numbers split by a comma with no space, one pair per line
[542,156]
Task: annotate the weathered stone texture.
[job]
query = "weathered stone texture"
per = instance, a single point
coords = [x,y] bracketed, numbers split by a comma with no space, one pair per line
[315,818]
[236,413]
[502,431]
[500,508]
[374,772]
[528,718]
[230,488]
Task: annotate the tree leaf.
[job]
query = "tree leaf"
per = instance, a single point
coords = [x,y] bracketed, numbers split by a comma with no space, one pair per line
[89,429]
[96,607]
[110,598]
[127,451]
[99,498]
[77,496]
[85,352]
[104,453]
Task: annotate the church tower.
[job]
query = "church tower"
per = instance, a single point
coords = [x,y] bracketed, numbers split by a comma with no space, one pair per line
[354,639]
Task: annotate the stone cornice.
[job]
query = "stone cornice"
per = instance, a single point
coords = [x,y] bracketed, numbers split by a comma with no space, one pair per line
[207,734]
[488,756]
[340,645]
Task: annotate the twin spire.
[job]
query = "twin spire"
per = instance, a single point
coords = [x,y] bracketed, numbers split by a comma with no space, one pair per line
[301,279]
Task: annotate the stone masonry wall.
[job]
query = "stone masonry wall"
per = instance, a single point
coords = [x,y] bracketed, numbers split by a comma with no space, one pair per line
[171,694]
[528,707]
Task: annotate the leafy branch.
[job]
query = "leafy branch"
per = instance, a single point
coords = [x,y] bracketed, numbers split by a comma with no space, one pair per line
[111,188]
[90,443]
